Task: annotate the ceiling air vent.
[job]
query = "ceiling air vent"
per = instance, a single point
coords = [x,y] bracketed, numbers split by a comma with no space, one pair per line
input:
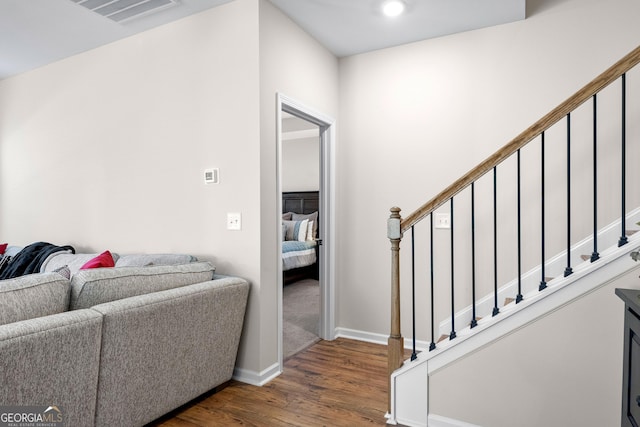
[124,10]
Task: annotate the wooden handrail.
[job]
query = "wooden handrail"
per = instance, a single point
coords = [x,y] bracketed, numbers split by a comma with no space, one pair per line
[557,114]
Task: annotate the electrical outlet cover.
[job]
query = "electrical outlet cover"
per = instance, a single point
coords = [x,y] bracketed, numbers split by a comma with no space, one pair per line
[442,220]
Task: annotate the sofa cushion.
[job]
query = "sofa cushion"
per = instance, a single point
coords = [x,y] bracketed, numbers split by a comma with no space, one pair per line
[33,295]
[12,250]
[73,261]
[142,260]
[96,286]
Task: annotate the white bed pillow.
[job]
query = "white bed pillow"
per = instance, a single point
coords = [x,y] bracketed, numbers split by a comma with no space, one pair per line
[310,231]
[295,230]
[302,230]
[311,217]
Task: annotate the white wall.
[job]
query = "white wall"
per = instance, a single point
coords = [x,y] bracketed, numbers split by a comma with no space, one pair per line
[414,118]
[562,370]
[301,164]
[300,167]
[106,149]
[296,65]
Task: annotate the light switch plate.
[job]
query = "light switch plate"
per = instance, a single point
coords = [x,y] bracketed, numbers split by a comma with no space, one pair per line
[234,221]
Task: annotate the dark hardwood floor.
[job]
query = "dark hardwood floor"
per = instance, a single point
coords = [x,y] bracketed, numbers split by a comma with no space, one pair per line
[332,383]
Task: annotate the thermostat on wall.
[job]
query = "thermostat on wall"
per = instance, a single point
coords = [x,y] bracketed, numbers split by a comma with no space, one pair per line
[211,176]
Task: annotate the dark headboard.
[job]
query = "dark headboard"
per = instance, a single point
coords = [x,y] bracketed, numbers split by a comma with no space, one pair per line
[302,202]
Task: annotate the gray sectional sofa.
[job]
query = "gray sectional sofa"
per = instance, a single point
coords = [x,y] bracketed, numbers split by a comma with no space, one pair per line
[118,346]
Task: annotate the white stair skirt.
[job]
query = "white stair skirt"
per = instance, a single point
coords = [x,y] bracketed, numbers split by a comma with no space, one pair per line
[410,383]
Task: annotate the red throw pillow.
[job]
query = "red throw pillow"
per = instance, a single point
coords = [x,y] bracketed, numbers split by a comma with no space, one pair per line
[105,259]
[3,248]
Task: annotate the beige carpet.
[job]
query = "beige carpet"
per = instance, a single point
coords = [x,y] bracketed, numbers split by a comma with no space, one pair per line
[301,316]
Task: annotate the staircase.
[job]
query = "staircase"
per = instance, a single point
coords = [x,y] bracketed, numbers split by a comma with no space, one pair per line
[540,212]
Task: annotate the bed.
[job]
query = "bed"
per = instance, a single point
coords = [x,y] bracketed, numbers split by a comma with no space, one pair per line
[300,235]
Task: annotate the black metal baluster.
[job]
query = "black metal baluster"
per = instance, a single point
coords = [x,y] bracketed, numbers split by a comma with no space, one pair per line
[595,255]
[568,270]
[453,313]
[413,290]
[496,310]
[623,236]
[543,280]
[519,296]
[474,322]
[432,346]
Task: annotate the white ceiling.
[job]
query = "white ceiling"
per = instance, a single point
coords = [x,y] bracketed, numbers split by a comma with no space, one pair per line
[37,32]
[348,27]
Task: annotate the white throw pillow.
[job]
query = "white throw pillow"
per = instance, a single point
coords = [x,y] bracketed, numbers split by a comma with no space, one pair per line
[310,235]
[302,230]
[295,230]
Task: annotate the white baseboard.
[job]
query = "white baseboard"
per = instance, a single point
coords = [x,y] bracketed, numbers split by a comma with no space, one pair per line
[433,421]
[354,334]
[375,338]
[257,378]
[438,421]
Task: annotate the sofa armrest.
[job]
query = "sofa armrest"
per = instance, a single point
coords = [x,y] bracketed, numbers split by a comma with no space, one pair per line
[163,349]
[52,360]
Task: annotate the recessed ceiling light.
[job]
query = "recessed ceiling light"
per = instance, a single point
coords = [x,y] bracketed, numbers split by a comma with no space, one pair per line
[393,8]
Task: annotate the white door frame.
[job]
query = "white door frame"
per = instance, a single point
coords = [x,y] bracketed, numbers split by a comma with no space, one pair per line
[326,215]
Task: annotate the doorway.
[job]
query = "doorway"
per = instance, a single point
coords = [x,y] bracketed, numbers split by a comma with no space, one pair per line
[303,133]
[301,262]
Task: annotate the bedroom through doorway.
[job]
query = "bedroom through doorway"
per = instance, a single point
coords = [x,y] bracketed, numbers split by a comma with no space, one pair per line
[300,174]
[305,205]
